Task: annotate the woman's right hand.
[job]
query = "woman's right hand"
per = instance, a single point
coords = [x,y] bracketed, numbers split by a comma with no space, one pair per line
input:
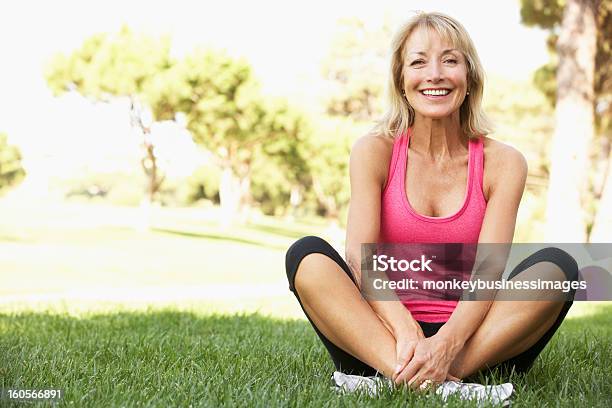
[404,348]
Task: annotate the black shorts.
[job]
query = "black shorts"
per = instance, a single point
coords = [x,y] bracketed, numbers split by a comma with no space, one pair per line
[348,364]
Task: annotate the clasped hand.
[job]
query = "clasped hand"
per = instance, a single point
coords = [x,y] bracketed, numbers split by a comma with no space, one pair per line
[420,359]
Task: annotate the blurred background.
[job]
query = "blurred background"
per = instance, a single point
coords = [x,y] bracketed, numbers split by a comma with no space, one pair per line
[156,153]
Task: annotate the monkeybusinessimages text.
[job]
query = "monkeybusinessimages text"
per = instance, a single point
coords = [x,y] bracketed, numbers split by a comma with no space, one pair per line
[384,263]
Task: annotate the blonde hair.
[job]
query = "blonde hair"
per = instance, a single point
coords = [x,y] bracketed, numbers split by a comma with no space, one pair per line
[400,115]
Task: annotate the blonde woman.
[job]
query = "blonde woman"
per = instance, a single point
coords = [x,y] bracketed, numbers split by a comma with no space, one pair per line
[428,173]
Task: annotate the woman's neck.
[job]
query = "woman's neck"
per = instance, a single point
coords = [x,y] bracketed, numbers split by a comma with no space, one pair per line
[438,139]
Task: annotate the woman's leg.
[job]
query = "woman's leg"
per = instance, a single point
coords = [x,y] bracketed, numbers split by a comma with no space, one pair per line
[355,337]
[514,332]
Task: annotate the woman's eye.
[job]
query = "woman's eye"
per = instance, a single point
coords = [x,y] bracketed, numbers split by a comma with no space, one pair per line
[417,62]
[451,61]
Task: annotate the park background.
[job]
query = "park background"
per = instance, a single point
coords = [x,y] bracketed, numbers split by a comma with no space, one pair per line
[157,160]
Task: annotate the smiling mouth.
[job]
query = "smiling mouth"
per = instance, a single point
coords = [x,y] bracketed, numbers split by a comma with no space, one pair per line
[435,93]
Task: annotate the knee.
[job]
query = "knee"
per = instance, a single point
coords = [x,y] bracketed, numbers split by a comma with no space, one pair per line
[300,250]
[560,258]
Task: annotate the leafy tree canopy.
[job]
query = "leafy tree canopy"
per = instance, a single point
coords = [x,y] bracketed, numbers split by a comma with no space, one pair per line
[225,109]
[107,65]
[356,67]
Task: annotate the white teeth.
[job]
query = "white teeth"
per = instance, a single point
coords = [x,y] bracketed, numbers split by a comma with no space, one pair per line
[436,92]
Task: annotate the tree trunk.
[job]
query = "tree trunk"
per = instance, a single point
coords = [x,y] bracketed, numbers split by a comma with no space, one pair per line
[235,192]
[602,227]
[576,47]
[295,200]
[327,201]
[245,198]
[229,195]
[148,163]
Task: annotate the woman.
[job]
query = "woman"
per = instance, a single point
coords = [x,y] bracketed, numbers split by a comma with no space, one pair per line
[428,173]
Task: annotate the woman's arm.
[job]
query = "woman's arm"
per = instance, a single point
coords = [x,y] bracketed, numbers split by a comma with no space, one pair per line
[497,227]
[369,164]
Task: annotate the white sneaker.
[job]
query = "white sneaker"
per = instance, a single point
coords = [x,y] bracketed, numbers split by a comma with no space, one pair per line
[346,383]
[477,392]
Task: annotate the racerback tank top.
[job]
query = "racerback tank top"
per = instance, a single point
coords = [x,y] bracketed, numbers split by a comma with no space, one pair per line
[400,223]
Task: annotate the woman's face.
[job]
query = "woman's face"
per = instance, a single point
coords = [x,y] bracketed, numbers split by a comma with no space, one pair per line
[435,75]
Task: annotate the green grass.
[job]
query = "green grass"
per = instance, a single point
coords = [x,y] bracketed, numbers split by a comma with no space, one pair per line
[170,358]
[53,251]
[201,352]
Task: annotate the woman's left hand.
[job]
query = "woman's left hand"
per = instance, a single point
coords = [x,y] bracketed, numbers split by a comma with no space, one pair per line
[431,361]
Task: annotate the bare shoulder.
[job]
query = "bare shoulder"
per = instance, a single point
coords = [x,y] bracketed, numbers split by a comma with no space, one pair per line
[373,143]
[373,152]
[503,163]
[503,156]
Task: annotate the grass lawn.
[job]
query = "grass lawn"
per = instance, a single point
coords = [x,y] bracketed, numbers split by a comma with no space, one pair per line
[78,247]
[199,352]
[171,358]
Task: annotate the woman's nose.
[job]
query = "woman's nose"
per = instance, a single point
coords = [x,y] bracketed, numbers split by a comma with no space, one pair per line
[434,73]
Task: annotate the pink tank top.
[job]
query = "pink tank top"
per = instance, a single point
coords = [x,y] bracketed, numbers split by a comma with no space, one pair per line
[400,223]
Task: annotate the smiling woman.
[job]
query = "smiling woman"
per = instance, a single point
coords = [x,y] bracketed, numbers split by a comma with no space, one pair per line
[445,63]
[428,173]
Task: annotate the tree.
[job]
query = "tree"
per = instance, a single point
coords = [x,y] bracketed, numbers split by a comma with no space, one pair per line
[108,66]
[355,68]
[218,96]
[11,171]
[328,163]
[548,14]
[576,48]
[586,36]
[227,114]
